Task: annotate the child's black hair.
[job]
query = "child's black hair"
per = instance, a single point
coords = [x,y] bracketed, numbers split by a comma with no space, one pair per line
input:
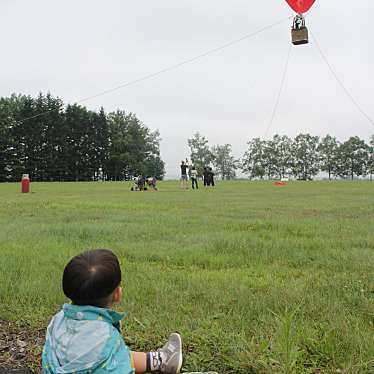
[91,277]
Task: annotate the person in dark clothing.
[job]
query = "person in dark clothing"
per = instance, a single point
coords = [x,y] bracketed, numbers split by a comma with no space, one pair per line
[141,183]
[184,167]
[210,177]
[206,176]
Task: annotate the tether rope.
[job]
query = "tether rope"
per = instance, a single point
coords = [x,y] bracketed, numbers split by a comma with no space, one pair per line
[341,84]
[284,75]
[167,69]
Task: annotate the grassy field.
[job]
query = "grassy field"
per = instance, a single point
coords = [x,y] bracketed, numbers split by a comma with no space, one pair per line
[257,278]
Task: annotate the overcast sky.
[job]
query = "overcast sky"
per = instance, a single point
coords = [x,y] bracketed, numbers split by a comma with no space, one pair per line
[78,48]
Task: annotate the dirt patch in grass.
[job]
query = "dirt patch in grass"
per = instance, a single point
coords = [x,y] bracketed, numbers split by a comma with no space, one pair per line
[20,346]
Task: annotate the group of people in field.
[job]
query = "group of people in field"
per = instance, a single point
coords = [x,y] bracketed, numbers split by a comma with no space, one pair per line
[190,172]
[142,183]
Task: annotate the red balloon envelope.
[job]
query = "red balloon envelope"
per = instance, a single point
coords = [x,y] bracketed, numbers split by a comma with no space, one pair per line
[300,6]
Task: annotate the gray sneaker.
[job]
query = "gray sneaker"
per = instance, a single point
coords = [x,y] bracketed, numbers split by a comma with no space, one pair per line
[173,353]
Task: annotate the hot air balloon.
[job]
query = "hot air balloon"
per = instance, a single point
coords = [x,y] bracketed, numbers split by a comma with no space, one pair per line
[299,32]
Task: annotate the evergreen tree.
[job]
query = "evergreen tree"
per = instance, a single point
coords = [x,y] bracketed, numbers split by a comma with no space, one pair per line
[7,145]
[53,138]
[42,138]
[20,132]
[77,147]
[101,143]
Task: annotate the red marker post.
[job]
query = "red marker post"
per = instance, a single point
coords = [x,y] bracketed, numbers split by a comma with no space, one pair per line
[25,183]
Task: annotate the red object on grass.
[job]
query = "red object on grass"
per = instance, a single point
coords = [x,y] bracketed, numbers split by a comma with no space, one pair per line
[280,183]
[25,183]
[300,6]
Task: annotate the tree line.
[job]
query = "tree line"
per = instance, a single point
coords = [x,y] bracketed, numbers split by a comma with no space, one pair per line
[303,157]
[71,143]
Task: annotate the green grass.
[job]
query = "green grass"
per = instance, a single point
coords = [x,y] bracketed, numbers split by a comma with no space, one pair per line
[257,278]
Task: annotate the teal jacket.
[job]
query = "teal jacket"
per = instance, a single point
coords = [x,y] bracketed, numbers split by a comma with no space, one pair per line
[86,340]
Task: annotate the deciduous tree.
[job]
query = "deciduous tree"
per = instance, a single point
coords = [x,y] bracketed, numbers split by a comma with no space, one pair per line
[224,162]
[255,161]
[370,164]
[201,154]
[305,157]
[352,158]
[281,154]
[328,148]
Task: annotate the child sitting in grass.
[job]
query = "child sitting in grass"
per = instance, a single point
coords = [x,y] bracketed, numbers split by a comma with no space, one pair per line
[84,337]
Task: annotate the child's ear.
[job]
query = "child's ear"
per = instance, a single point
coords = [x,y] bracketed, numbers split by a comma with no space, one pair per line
[117,295]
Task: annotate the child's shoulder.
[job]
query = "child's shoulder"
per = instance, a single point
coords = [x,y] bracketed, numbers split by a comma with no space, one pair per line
[82,321]
[56,319]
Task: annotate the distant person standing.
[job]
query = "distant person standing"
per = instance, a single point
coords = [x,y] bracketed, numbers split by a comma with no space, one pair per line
[193,173]
[184,167]
[206,176]
[210,177]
